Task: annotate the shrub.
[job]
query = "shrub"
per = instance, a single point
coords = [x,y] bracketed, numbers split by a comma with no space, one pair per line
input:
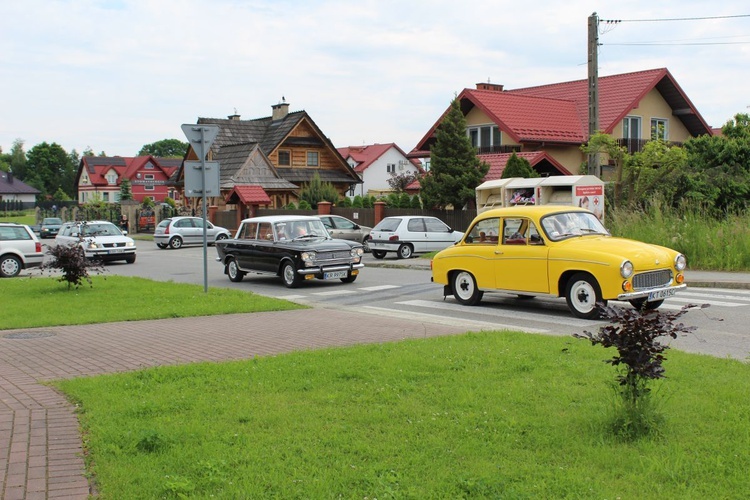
[634,334]
[72,262]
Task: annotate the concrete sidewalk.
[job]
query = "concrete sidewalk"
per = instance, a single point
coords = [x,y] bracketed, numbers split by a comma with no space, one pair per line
[40,446]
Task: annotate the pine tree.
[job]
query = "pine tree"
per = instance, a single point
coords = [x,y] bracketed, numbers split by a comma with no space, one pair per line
[455,169]
[518,167]
[126,193]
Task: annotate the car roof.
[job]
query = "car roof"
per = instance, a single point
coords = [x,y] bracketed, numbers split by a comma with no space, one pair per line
[537,211]
[78,222]
[280,218]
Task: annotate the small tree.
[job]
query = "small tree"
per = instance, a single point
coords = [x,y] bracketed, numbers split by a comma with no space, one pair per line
[455,169]
[634,333]
[399,182]
[316,191]
[518,167]
[71,261]
[126,191]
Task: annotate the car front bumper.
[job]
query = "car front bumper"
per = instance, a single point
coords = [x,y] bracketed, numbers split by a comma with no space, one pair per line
[652,294]
[320,271]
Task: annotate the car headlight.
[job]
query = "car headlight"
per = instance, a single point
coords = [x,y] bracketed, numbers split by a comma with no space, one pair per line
[357,252]
[680,262]
[626,269]
[308,258]
[92,245]
[130,244]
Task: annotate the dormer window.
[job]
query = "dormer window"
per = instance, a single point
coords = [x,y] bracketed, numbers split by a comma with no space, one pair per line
[484,137]
[112,178]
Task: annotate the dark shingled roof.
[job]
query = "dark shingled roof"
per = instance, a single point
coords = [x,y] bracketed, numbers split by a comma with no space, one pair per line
[11,185]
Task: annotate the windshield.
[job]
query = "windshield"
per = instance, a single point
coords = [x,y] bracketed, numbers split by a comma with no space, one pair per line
[52,221]
[567,224]
[300,229]
[101,230]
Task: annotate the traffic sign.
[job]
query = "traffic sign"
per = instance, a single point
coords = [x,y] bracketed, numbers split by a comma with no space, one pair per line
[194,179]
[200,137]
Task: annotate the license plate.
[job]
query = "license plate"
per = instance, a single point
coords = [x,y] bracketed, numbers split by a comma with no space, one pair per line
[116,250]
[335,275]
[661,294]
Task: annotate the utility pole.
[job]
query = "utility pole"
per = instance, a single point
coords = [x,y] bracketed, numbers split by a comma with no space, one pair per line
[593,59]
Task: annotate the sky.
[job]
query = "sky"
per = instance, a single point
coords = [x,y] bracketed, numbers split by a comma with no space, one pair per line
[114,75]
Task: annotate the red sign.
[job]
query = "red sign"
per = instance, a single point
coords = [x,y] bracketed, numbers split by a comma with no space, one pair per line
[589,190]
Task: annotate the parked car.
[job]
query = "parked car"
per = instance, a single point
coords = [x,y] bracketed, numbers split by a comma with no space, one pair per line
[49,227]
[343,228]
[178,231]
[296,248]
[99,239]
[556,251]
[407,235]
[19,249]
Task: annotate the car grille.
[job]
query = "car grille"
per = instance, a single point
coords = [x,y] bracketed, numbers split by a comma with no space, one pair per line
[114,245]
[652,279]
[328,258]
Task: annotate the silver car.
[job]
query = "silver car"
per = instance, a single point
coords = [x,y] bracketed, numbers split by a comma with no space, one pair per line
[344,229]
[19,249]
[100,240]
[177,231]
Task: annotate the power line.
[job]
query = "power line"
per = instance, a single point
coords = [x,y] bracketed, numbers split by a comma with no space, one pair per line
[616,21]
[671,43]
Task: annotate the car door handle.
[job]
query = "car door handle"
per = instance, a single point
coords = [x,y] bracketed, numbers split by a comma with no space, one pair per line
[498,252]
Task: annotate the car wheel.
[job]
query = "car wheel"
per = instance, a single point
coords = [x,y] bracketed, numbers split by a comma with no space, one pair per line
[643,304]
[366,245]
[465,288]
[378,254]
[221,236]
[10,266]
[289,275]
[582,295]
[130,259]
[233,271]
[161,245]
[350,278]
[404,251]
[175,243]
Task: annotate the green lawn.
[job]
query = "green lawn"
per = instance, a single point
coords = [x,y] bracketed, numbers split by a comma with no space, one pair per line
[489,415]
[39,301]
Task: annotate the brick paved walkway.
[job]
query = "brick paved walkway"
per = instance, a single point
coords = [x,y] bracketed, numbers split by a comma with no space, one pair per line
[40,447]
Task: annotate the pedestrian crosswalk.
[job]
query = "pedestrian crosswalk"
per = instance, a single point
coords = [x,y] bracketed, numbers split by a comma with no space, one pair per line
[496,311]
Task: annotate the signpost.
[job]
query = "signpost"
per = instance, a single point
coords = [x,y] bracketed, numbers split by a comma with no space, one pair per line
[198,181]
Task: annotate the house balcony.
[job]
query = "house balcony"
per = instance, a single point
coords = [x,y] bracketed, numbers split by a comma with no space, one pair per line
[498,149]
[637,145]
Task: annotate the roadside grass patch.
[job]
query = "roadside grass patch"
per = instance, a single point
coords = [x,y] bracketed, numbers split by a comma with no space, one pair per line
[39,302]
[479,415]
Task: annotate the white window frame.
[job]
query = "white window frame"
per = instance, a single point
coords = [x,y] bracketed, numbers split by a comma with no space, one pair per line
[626,127]
[474,133]
[655,128]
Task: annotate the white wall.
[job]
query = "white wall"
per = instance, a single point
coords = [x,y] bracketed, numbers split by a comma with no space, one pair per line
[376,176]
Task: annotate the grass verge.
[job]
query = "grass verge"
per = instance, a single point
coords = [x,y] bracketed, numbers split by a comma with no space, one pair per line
[485,415]
[39,302]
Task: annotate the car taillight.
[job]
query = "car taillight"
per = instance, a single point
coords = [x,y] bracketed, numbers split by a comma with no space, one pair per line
[393,238]
[38,247]
[166,231]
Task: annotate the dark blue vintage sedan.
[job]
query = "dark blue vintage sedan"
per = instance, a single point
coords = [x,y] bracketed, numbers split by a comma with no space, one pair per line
[295,247]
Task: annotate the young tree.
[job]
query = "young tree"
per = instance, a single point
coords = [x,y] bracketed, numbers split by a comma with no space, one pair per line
[126,192]
[399,182]
[166,148]
[455,169]
[316,191]
[518,167]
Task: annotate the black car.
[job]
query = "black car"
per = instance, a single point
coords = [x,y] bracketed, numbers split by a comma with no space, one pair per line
[294,247]
[50,227]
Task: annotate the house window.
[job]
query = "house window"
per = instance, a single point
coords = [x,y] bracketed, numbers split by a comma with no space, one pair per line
[112,178]
[659,131]
[390,168]
[312,158]
[149,177]
[105,197]
[149,165]
[631,127]
[148,187]
[484,137]
[285,158]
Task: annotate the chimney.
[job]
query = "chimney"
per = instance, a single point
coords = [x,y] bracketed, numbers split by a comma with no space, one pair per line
[9,177]
[235,116]
[496,87]
[280,110]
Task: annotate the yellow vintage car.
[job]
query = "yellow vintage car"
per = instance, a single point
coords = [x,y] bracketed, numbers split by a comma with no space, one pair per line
[556,251]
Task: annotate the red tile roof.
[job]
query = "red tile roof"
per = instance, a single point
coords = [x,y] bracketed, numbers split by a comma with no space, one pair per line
[250,195]
[498,162]
[366,155]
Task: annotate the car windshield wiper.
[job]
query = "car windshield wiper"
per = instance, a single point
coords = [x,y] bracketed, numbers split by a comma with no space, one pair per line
[305,236]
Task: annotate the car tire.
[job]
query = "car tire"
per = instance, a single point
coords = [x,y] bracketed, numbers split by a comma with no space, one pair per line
[221,236]
[10,266]
[350,278]
[233,271]
[175,243]
[582,294]
[161,245]
[643,303]
[289,275]
[378,254]
[465,288]
[130,259]
[405,251]
[366,244]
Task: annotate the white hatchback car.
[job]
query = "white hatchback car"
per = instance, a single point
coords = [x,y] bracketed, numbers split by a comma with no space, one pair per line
[410,234]
[19,249]
[178,231]
[99,239]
